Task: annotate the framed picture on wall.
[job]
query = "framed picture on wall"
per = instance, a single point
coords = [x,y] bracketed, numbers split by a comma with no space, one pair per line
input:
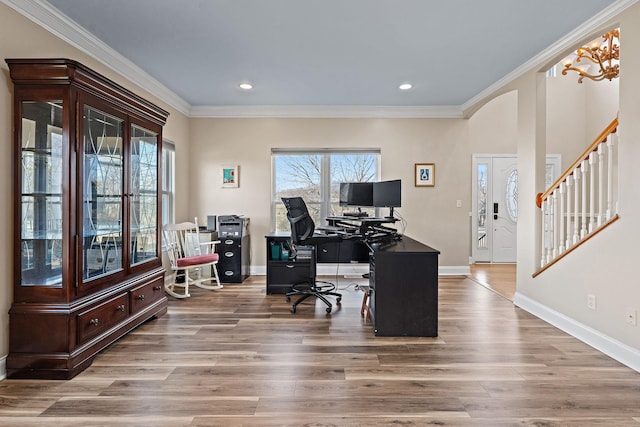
[425,174]
[229,176]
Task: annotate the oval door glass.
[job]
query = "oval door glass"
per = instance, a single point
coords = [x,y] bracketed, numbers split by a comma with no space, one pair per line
[102,193]
[144,195]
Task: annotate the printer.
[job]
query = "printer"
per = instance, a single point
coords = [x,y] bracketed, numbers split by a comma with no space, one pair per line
[232,226]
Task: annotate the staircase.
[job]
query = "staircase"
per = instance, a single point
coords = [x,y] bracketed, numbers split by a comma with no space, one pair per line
[582,202]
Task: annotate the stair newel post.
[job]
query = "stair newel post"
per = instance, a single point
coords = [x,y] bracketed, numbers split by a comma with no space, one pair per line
[543,227]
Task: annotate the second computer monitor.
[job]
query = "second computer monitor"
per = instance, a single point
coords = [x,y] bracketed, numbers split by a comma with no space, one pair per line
[388,194]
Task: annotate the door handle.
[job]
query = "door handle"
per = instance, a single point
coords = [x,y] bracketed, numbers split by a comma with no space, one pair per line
[495,211]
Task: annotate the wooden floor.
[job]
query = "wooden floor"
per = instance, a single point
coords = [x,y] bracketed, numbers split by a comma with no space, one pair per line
[236,357]
[500,278]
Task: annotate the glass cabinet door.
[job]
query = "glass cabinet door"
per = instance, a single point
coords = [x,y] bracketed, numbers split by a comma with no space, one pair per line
[144,195]
[42,175]
[102,193]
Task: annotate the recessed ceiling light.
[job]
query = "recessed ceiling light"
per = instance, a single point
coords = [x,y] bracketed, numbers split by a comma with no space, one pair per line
[405,86]
[246,86]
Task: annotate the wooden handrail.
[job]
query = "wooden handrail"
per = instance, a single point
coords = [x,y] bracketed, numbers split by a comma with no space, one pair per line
[612,128]
[574,247]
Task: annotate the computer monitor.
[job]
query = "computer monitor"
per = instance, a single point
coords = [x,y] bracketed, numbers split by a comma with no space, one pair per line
[356,194]
[388,194]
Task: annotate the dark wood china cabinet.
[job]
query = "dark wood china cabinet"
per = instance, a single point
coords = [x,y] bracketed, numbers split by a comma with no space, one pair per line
[87,238]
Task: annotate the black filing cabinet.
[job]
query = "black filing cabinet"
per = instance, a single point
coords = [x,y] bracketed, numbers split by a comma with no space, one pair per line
[234,252]
[234,248]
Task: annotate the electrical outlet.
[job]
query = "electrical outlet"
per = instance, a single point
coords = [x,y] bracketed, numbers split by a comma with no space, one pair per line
[630,317]
[591,302]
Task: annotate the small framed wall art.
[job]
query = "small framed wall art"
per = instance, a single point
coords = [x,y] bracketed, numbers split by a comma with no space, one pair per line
[229,176]
[425,174]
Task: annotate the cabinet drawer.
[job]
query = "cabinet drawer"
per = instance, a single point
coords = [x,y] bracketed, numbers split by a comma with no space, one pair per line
[93,322]
[145,295]
[282,275]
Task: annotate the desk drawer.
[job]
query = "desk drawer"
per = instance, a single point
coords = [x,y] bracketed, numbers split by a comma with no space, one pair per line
[145,295]
[93,322]
[282,275]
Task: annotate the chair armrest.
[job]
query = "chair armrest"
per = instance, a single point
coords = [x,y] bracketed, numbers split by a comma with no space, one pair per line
[210,246]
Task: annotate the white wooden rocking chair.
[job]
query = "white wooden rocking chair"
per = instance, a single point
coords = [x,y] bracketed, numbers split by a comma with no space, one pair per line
[187,258]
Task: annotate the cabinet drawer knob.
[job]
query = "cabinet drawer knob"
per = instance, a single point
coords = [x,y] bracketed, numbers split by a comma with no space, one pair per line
[141,297]
[120,307]
[290,266]
[228,242]
[94,322]
[157,288]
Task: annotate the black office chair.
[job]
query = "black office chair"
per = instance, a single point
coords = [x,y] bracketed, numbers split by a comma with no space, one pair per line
[304,241]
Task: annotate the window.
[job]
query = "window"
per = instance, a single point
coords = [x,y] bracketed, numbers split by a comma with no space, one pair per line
[168,181]
[315,175]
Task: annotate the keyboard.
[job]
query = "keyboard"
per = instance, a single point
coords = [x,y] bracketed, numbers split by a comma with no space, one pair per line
[330,229]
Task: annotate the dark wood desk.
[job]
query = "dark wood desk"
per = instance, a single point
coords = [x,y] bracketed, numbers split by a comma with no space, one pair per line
[403,281]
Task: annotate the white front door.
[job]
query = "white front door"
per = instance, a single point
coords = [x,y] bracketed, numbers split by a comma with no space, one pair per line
[495,205]
[504,209]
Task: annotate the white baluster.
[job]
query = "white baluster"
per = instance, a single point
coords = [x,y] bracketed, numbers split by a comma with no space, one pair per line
[549,228]
[611,142]
[543,209]
[600,184]
[569,240]
[592,192]
[554,224]
[583,223]
[576,206]
[561,233]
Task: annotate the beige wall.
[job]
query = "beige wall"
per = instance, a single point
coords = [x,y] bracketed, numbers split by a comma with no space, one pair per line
[21,38]
[605,266]
[577,113]
[431,213]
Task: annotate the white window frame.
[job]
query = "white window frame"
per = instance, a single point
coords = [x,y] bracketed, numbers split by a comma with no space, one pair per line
[325,176]
[168,179]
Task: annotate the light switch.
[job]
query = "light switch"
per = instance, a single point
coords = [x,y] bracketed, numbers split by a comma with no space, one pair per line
[458,203]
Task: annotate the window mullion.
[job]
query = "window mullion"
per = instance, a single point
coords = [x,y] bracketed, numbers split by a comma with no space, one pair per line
[325,186]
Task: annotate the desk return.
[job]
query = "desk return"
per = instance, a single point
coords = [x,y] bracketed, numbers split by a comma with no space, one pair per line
[403,278]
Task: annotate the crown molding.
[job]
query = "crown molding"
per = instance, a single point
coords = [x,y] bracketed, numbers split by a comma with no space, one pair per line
[52,20]
[326,111]
[551,53]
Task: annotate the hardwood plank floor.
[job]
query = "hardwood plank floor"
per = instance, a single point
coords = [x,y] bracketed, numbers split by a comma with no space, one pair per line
[238,357]
[500,278]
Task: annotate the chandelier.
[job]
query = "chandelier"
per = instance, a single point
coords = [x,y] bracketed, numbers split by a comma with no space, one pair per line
[603,54]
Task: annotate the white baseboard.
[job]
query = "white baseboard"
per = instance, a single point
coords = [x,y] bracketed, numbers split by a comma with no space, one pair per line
[454,270]
[3,367]
[360,269]
[613,348]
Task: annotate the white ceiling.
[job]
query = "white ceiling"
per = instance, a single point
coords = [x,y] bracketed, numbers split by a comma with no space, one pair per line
[330,53]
